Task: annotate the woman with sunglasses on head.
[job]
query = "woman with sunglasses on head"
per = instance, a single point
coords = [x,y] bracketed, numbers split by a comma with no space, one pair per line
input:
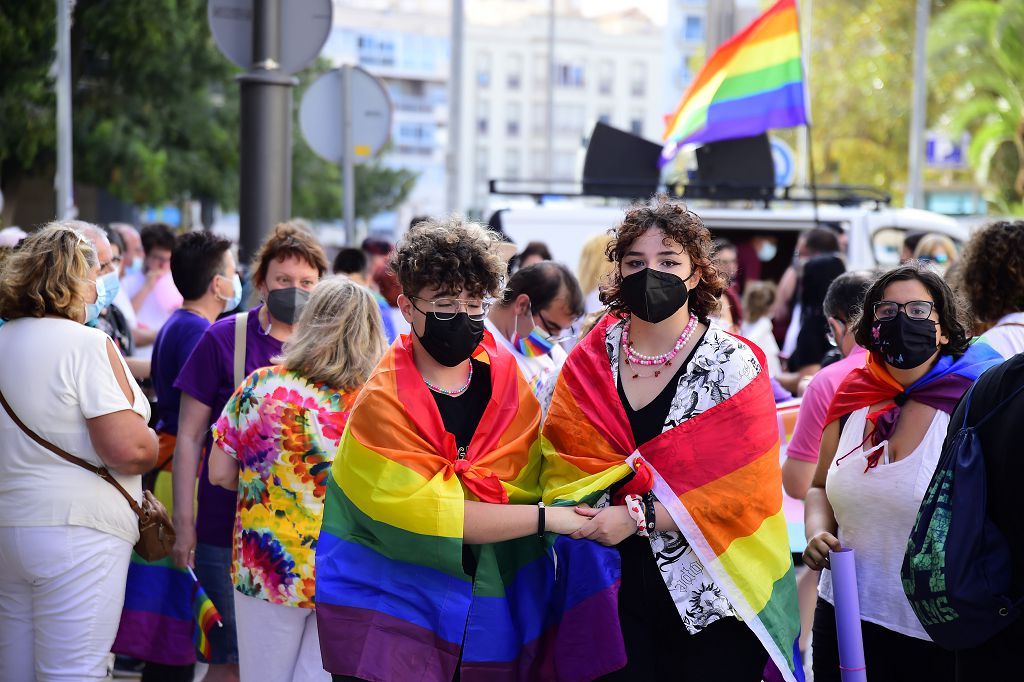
[883,435]
[431,503]
[663,430]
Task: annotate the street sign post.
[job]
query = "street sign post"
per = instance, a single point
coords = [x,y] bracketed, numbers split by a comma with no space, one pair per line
[345,116]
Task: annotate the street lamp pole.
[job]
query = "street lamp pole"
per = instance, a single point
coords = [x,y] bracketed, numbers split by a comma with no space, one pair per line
[64,180]
[915,187]
[455,105]
[549,129]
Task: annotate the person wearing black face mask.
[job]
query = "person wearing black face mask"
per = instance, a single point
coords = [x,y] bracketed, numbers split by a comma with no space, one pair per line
[450,404]
[658,376]
[881,442]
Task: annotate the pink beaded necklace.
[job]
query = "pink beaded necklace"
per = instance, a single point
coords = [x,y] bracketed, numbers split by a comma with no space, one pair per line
[635,358]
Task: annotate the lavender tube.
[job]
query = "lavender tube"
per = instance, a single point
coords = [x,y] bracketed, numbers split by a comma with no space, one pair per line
[848,632]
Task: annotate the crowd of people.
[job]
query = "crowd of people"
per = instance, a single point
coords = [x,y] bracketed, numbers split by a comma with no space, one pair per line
[443,458]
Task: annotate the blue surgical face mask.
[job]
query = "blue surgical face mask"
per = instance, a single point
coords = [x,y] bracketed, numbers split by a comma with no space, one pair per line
[134,267]
[93,310]
[236,295]
[767,252]
[112,286]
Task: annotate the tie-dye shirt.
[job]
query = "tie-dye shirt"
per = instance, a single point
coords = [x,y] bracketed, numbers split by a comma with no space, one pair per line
[284,431]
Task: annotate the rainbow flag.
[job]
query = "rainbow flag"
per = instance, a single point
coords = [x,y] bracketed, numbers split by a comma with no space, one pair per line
[157,621]
[752,83]
[206,615]
[394,598]
[717,474]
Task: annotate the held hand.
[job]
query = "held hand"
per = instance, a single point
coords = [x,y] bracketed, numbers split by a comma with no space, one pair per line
[184,552]
[562,520]
[816,553]
[609,526]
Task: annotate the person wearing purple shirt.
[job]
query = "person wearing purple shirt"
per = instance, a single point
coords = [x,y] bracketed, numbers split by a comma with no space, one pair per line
[288,265]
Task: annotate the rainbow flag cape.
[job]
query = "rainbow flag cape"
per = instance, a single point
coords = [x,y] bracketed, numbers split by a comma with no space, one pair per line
[717,474]
[752,83]
[206,615]
[157,621]
[394,600]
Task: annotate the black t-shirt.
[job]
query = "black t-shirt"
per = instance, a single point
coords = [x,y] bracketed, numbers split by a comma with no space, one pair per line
[649,421]
[461,414]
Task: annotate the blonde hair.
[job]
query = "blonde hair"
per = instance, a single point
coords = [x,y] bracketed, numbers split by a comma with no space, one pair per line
[757,300]
[47,274]
[594,266]
[339,337]
[932,241]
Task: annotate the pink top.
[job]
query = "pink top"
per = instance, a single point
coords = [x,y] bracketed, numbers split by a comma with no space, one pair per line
[810,421]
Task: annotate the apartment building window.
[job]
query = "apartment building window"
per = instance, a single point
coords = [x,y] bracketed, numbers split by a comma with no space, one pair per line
[605,77]
[638,79]
[538,163]
[374,51]
[636,122]
[605,118]
[693,28]
[514,71]
[569,119]
[513,163]
[483,69]
[540,71]
[569,75]
[513,119]
[538,118]
[483,114]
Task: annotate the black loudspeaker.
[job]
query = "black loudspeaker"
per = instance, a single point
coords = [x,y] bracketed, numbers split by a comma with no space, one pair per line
[620,164]
[736,169]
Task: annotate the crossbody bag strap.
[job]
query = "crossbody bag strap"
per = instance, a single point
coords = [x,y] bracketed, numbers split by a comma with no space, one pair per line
[241,320]
[102,472]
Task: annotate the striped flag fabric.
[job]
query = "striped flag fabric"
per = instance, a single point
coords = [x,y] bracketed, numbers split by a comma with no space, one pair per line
[752,83]
[207,616]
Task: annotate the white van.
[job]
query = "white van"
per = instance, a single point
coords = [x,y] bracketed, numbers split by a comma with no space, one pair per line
[874,235]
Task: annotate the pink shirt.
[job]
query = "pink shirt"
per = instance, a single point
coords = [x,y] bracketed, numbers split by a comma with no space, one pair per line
[810,421]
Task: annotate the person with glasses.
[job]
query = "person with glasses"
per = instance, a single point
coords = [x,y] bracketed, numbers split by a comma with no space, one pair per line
[431,503]
[881,442]
[152,291]
[533,318]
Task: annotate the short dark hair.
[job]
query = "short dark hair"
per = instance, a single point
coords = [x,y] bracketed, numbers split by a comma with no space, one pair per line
[912,239]
[449,255]
[115,239]
[196,259]
[542,282]
[157,236]
[845,296]
[721,244]
[350,261]
[376,246]
[820,241]
[536,249]
[950,307]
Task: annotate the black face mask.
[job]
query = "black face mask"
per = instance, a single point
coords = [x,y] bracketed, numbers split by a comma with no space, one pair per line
[653,295]
[451,342]
[286,304]
[903,342]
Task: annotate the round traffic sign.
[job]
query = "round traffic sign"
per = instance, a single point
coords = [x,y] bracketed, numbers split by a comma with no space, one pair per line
[305,26]
[782,157]
[322,115]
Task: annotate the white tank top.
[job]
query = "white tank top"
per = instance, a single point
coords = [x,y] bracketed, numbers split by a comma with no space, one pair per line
[876,511]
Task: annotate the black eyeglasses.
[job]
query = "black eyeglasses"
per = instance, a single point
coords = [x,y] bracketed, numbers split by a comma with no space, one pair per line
[915,310]
[560,336]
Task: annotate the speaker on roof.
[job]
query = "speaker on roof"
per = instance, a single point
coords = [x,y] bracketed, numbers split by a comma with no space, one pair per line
[736,169]
[620,164]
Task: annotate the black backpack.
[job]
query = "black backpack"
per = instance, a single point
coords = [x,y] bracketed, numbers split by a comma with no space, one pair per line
[956,572]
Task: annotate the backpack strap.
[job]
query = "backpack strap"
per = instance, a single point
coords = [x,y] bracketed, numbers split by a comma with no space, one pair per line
[241,321]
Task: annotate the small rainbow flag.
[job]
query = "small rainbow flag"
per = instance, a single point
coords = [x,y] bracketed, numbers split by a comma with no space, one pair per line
[752,83]
[207,616]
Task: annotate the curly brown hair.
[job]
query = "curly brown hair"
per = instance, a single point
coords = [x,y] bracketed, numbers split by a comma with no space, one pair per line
[680,225]
[47,273]
[950,307]
[992,271]
[449,255]
[288,240]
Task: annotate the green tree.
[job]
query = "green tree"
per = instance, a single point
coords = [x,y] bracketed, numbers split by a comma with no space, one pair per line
[976,50]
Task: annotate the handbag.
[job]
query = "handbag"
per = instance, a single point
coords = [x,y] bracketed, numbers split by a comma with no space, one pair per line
[156,532]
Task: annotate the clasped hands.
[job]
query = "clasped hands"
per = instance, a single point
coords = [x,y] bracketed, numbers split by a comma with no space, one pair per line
[607,525]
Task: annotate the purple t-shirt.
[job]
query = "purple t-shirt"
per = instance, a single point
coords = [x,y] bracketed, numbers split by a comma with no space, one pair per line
[171,349]
[810,420]
[208,376]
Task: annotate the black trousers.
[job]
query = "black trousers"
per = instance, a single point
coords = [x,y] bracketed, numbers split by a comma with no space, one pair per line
[158,672]
[658,646]
[889,656]
[1001,657]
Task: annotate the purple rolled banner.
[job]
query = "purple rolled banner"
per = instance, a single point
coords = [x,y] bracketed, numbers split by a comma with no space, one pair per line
[848,632]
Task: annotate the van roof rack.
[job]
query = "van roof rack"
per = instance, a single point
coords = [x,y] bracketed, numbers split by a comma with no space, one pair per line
[541,189]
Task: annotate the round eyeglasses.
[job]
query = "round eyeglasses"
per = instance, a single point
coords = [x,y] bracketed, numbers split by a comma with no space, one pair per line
[447,308]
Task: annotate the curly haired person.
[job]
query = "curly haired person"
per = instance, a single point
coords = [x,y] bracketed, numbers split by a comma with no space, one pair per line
[992,278]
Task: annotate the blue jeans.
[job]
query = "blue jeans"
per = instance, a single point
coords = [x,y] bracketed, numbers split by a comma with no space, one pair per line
[213,568]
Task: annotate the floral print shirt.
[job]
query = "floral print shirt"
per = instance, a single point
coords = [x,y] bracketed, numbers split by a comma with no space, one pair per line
[284,431]
[721,365]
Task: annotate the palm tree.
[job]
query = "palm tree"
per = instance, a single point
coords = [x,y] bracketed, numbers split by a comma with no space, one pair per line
[976,53]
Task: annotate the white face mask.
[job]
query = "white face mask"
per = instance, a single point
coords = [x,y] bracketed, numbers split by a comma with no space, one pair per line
[767,251]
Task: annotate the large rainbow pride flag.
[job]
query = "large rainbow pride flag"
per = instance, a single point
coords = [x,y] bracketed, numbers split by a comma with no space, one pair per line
[752,83]
[394,598]
[717,474]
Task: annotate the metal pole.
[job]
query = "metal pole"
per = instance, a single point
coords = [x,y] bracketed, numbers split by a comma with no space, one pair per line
[348,163]
[549,129]
[266,133]
[803,147]
[915,190]
[64,180]
[455,105]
